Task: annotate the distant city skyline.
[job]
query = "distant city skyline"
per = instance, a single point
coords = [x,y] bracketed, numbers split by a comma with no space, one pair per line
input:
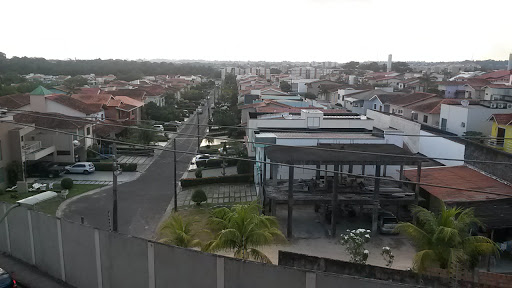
[272,31]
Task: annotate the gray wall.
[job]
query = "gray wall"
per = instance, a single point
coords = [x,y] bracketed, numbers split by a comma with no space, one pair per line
[189,268]
[79,254]
[475,151]
[86,257]
[19,235]
[122,256]
[46,243]
[239,274]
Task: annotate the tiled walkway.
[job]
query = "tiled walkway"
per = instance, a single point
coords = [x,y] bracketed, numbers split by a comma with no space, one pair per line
[220,193]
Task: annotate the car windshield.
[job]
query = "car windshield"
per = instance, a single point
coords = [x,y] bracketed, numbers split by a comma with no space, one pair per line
[5,279]
[389,220]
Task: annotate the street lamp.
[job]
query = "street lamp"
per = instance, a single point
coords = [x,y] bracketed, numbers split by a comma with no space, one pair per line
[31,201]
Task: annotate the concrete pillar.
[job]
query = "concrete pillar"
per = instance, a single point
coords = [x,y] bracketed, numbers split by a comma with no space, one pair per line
[334,200]
[289,232]
[418,179]
[401,176]
[375,212]
[385,170]
[350,168]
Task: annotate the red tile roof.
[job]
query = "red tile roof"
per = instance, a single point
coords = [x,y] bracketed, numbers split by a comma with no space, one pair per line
[129,101]
[89,91]
[495,74]
[56,121]
[153,90]
[462,177]
[437,109]
[93,98]
[502,119]
[86,108]
[404,100]
[132,93]
[15,101]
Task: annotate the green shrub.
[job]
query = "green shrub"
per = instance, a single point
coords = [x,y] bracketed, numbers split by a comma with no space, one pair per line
[66,183]
[199,173]
[198,196]
[216,163]
[243,167]
[14,196]
[240,178]
[107,166]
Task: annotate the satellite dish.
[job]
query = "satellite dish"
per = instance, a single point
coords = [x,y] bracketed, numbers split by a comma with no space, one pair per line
[464,103]
[76,142]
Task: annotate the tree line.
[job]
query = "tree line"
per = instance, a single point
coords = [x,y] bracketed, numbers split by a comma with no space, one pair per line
[123,69]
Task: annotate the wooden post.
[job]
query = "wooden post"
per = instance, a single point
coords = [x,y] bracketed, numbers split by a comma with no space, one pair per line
[418,179]
[375,211]
[363,168]
[401,176]
[334,200]
[289,233]
[317,174]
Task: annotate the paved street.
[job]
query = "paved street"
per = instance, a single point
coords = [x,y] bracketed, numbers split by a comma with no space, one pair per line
[142,202]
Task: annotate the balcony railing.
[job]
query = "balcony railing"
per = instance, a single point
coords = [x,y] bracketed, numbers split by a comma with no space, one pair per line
[31,146]
[496,143]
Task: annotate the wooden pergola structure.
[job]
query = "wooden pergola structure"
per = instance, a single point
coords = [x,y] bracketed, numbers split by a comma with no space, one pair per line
[338,155]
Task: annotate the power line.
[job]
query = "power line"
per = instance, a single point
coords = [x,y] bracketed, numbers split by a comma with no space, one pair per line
[266,162]
[278,145]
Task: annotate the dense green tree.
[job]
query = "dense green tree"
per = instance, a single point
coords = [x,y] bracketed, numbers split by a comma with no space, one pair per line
[243,229]
[285,86]
[193,95]
[351,65]
[373,66]
[401,67]
[444,239]
[275,71]
[74,83]
[310,95]
[178,232]
[427,80]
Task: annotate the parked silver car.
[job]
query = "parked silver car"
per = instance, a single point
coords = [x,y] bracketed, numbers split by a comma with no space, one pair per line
[81,168]
[387,222]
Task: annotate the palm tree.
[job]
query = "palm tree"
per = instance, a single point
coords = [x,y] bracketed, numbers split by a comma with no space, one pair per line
[427,80]
[242,229]
[445,238]
[179,232]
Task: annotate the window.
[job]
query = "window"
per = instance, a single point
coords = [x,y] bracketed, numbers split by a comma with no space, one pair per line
[425,118]
[63,152]
[313,121]
[88,130]
[102,116]
[22,139]
[374,106]
[393,111]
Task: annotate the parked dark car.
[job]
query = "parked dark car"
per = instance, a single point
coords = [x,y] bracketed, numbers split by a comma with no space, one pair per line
[44,169]
[6,280]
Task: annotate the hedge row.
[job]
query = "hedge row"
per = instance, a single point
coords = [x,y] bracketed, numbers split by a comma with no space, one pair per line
[241,178]
[107,166]
[216,163]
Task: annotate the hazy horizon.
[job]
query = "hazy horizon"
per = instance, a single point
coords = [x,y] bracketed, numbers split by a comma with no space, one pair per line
[271,31]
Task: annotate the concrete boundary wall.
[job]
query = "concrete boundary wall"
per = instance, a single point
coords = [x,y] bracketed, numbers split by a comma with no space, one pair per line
[86,257]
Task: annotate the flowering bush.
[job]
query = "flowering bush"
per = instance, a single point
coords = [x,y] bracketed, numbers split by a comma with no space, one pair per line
[388,256]
[354,244]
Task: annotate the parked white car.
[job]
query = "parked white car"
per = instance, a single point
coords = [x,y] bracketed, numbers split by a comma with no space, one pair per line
[81,168]
[158,127]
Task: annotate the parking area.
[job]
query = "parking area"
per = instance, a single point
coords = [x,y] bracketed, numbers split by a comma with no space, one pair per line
[220,193]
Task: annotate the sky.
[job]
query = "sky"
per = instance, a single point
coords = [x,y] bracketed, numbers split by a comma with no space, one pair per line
[263,30]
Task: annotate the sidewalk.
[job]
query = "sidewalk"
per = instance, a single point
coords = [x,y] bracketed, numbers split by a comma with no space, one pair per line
[27,275]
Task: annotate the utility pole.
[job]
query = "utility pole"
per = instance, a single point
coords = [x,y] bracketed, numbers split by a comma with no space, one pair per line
[175,180]
[114,188]
[198,133]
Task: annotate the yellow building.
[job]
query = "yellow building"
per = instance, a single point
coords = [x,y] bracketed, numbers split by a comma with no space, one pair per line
[502,132]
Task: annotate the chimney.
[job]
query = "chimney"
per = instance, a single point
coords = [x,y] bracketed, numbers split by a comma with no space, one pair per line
[390,56]
[509,67]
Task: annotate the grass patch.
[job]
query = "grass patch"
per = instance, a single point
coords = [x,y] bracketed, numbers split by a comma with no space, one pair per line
[50,206]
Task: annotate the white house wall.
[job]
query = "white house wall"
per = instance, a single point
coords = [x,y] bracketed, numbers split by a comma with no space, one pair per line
[430,147]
